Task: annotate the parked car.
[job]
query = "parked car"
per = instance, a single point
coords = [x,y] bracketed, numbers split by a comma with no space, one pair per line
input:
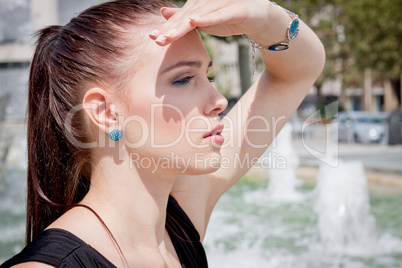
[361,127]
[394,127]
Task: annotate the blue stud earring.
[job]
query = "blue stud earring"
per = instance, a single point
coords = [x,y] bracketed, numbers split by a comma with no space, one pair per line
[115,135]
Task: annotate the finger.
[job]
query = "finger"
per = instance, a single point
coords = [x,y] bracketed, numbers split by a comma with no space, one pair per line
[168,12]
[177,32]
[181,21]
[221,16]
[167,28]
[176,26]
[166,38]
[154,34]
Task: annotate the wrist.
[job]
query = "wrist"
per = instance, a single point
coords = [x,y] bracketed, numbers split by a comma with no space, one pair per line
[278,32]
[266,25]
[292,31]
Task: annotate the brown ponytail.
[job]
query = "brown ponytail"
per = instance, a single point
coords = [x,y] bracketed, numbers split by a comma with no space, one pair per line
[87,50]
[47,150]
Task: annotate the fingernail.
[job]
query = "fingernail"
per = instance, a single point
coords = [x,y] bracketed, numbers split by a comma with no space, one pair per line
[154,33]
[161,38]
[192,19]
[163,9]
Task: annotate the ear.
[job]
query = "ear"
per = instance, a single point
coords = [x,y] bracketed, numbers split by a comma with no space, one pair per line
[96,103]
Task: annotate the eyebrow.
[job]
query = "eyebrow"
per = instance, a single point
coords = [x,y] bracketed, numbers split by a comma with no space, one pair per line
[195,64]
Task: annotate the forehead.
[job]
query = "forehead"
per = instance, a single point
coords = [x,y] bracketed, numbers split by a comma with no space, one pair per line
[154,59]
[187,48]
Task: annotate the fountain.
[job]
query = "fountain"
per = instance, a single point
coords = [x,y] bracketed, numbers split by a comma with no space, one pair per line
[345,224]
[282,180]
[330,226]
[280,160]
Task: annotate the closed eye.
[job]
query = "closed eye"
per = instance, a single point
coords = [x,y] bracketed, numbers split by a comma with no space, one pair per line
[184,81]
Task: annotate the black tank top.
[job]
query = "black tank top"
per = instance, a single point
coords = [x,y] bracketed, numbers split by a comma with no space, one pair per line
[61,248]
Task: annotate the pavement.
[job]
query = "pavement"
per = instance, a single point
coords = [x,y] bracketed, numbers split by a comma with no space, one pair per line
[375,157]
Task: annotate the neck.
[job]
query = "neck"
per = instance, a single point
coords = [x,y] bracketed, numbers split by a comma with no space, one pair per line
[131,202]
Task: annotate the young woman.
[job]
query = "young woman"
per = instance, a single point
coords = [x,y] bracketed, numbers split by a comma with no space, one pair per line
[127,154]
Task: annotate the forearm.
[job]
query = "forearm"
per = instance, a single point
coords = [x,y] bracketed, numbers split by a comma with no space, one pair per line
[305,58]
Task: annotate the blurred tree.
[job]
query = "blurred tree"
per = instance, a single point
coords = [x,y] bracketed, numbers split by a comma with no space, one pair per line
[374,34]
[322,17]
[358,35]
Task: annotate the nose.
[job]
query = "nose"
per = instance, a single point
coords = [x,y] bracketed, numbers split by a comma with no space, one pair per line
[216,102]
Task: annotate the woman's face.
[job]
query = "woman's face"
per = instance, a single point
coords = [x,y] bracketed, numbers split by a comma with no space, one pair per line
[173,110]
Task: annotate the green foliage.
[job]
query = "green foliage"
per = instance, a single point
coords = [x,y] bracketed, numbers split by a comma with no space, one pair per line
[374,32]
[357,34]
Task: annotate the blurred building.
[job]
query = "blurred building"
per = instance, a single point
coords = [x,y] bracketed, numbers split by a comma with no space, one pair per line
[226,63]
[19,20]
[379,97]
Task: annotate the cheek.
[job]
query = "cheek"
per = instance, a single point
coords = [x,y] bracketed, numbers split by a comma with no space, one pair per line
[136,131]
[178,126]
[196,128]
[167,124]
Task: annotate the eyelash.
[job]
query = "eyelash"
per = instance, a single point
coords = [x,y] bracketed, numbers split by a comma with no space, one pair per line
[187,79]
[184,81]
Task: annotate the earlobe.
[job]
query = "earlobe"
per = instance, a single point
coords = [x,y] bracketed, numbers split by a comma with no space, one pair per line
[102,115]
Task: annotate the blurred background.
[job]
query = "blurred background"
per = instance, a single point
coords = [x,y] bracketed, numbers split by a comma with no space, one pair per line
[328,191]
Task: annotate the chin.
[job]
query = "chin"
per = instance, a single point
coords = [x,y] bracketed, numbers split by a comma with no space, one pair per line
[203,164]
[195,171]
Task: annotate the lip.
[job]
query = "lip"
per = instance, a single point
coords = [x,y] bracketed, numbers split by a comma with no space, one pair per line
[217,129]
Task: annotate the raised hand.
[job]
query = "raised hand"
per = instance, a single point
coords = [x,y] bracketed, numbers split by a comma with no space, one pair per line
[215,17]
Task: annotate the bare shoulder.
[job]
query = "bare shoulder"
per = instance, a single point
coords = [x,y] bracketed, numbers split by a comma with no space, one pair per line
[32,264]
